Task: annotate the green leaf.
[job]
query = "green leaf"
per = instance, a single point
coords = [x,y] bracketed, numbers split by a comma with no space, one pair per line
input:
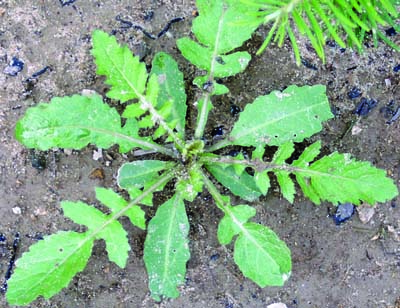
[220,28]
[242,185]
[262,256]
[126,75]
[116,203]
[308,155]
[74,122]
[138,173]
[230,224]
[48,266]
[280,117]
[166,249]
[283,153]
[262,181]
[102,227]
[286,184]
[135,176]
[223,25]
[338,178]
[172,88]
[222,66]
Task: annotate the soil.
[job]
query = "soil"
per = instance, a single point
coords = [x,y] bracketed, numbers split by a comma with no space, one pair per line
[347,265]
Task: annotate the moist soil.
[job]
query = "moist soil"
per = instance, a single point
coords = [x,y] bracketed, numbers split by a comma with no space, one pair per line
[354,264]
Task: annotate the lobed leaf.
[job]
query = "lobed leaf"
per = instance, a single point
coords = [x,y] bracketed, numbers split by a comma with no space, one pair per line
[242,185]
[126,75]
[338,178]
[166,249]
[116,203]
[101,227]
[280,117]
[74,122]
[220,28]
[48,266]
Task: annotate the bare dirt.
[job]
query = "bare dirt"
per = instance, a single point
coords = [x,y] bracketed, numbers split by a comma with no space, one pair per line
[351,265]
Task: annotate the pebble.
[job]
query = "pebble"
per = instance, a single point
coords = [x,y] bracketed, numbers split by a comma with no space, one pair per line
[354,93]
[14,67]
[365,212]
[343,212]
[365,106]
[17,210]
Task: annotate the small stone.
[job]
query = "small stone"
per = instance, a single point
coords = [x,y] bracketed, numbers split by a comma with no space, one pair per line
[365,212]
[67,152]
[14,67]
[344,212]
[277,305]
[355,130]
[97,154]
[17,210]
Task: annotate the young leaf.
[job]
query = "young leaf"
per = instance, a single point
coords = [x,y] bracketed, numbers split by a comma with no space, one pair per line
[338,178]
[219,29]
[111,231]
[235,216]
[74,122]
[116,203]
[262,256]
[166,248]
[190,185]
[48,266]
[280,117]
[172,89]
[242,186]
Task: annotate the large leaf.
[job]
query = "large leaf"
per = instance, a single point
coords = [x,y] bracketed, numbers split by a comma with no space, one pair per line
[274,119]
[166,248]
[116,203]
[262,256]
[48,266]
[74,122]
[172,89]
[101,227]
[338,178]
[242,185]
[125,73]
